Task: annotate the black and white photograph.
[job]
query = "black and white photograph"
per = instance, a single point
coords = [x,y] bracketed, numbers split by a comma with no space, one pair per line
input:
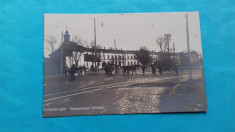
[126,63]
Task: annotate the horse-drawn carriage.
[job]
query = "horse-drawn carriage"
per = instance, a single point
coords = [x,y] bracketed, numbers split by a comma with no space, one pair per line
[109,69]
[79,70]
[128,69]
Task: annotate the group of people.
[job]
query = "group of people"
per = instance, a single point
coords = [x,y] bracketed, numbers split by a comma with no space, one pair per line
[154,69]
[110,68]
[128,69]
[74,69]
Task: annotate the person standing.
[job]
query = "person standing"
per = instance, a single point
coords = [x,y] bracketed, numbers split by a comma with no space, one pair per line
[98,65]
[176,70]
[72,72]
[65,69]
[92,68]
[160,69]
[143,69]
[153,69]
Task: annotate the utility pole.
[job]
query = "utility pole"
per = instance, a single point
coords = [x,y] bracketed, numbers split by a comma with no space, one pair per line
[167,37]
[125,59]
[188,48]
[115,59]
[95,43]
[174,50]
[61,56]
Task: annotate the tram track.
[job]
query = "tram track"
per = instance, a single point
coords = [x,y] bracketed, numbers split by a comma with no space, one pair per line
[60,95]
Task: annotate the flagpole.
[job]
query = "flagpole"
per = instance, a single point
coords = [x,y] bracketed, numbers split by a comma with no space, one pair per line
[61,56]
[95,42]
[188,48]
[115,57]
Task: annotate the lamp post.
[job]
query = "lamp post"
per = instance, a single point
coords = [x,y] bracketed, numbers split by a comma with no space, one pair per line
[61,54]
[95,42]
[115,58]
[174,50]
[167,37]
[188,49]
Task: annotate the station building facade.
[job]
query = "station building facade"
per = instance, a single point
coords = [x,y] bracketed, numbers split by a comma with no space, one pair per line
[70,53]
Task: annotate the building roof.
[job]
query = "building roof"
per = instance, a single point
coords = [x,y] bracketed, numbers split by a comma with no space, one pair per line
[69,47]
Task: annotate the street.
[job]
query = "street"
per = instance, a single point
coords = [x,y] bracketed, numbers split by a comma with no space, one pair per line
[97,93]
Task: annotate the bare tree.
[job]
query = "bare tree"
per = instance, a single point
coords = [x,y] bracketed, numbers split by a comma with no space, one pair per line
[94,57]
[51,41]
[143,55]
[161,43]
[92,45]
[76,55]
[85,43]
[163,55]
[78,40]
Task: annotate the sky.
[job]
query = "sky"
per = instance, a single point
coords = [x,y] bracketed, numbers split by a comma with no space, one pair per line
[130,30]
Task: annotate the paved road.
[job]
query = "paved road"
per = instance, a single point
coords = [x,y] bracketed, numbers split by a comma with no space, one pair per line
[102,94]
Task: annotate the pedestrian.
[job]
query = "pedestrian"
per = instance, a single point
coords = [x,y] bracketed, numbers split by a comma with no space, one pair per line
[98,65]
[160,69]
[153,69]
[134,69]
[116,69]
[103,64]
[72,72]
[176,70]
[111,69]
[92,68]
[106,69]
[143,69]
[65,69]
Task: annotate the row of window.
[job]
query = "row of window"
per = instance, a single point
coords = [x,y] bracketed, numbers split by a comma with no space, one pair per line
[119,57]
[118,63]
[129,57]
[176,58]
[172,57]
[123,63]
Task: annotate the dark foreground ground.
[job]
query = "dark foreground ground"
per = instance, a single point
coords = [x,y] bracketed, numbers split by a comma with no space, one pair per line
[97,93]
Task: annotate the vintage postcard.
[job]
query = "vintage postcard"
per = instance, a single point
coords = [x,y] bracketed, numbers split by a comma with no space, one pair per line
[129,63]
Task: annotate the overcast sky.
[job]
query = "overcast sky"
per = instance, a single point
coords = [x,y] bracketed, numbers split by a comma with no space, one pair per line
[131,30]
